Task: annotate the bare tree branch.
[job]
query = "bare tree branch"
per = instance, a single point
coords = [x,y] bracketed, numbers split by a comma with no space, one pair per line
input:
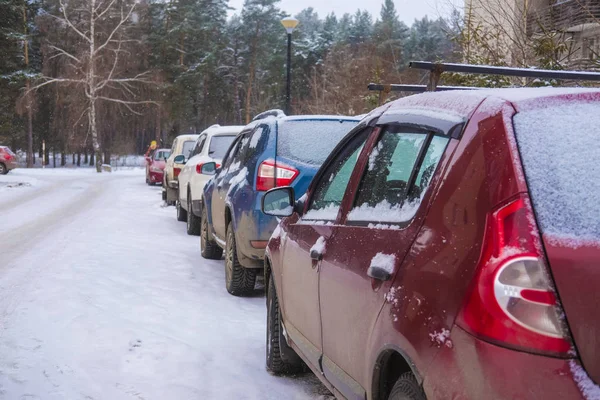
[105,10]
[127,103]
[115,30]
[62,52]
[54,80]
[68,21]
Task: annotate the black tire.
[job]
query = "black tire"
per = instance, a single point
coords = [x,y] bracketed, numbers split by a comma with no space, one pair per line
[208,248]
[407,388]
[3,169]
[281,359]
[192,221]
[239,281]
[181,213]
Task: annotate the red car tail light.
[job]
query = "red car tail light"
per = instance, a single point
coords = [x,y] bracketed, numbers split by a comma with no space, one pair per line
[7,157]
[512,300]
[266,179]
[176,172]
[200,165]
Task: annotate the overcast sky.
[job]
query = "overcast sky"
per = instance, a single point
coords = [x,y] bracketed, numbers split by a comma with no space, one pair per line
[408,10]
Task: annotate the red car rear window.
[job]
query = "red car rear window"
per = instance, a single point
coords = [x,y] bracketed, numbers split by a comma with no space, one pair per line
[559,146]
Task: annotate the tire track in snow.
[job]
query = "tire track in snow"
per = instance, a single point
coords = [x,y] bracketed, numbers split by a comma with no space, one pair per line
[23,240]
[15,241]
[30,196]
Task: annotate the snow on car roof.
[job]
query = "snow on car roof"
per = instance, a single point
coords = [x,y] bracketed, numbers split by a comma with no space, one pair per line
[226,130]
[517,95]
[320,117]
[462,103]
[188,136]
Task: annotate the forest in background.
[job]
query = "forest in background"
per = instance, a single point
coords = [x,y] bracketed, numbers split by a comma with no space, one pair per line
[179,66]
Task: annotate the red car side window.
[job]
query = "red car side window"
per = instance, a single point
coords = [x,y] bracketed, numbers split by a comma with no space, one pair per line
[330,191]
[399,171]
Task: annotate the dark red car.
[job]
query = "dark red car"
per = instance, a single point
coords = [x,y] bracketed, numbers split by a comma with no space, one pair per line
[449,248]
[8,160]
[155,166]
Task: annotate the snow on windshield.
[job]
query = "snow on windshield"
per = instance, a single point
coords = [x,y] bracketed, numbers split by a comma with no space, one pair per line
[311,142]
[560,149]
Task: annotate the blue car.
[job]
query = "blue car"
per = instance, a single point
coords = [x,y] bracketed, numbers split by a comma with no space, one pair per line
[272,151]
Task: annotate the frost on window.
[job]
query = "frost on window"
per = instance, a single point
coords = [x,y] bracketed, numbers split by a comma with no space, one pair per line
[311,142]
[373,155]
[257,137]
[384,195]
[384,184]
[559,146]
[329,194]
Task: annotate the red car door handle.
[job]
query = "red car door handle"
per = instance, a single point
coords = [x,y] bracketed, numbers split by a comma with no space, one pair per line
[379,273]
[316,255]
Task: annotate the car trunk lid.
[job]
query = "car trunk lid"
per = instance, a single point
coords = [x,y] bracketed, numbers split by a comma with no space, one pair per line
[558,143]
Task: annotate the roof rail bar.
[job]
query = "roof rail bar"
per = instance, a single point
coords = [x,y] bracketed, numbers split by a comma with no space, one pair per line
[270,113]
[436,69]
[415,88]
[214,126]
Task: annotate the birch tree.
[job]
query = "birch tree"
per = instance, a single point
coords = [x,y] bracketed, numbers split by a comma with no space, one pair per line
[96,64]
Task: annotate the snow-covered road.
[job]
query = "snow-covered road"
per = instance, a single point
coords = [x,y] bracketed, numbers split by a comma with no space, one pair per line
[104,296]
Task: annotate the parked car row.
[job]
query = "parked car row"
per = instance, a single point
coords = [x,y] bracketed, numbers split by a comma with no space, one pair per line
[447,245]
[210,147]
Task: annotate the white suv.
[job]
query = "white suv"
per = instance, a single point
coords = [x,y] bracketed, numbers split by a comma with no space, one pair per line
[211,146]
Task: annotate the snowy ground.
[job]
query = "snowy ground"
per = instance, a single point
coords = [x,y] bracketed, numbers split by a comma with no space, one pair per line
[104,296]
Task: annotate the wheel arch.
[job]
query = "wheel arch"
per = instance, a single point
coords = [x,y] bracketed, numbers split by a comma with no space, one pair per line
[391,363]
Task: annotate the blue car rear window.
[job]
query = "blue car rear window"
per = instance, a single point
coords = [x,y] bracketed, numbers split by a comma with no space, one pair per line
[310,141]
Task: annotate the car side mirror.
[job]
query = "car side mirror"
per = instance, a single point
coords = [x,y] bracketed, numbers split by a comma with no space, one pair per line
[209,168]
[180,159]
[279,202]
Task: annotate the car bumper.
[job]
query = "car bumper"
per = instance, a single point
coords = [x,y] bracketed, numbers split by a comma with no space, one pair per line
[474,369]
[156,177]
[10,164]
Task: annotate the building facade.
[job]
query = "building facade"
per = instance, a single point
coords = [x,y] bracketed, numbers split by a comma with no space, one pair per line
[518,26]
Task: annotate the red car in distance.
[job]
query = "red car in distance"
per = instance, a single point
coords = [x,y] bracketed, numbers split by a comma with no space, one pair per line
[8,160]
[449,248]
[155,166]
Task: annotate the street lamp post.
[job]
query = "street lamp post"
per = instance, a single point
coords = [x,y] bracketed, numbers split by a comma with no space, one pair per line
[289,24]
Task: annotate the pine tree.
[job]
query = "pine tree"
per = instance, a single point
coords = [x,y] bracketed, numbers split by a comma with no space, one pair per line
[390,34]
[329,31]
[264,55]
[361,28]
[10,70]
